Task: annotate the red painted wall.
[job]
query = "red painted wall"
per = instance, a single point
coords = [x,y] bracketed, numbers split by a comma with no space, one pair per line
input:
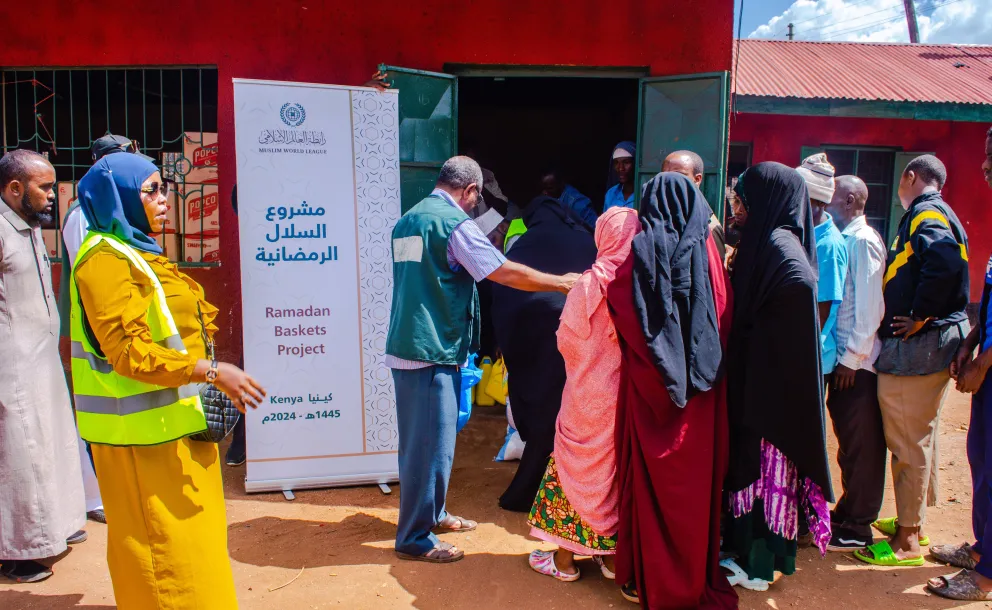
[342,42]
[959,145]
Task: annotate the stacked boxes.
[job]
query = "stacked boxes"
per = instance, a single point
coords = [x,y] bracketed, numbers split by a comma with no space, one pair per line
[196,223]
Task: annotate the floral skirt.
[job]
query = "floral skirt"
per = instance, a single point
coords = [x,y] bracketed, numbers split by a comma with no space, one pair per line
[553,519]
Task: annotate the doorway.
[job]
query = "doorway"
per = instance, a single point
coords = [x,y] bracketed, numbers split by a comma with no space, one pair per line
[521,117]
[519,127]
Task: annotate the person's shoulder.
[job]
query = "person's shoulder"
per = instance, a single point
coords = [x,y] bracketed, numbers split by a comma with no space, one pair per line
[785,243]
[866,237]
[100,260]
[833,244]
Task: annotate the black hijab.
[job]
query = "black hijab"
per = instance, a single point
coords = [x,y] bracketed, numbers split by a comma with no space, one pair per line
[774,373]
[673,297]
[775,197]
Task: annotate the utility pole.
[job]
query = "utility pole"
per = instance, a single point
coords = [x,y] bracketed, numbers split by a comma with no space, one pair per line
[914,29]
[790,31]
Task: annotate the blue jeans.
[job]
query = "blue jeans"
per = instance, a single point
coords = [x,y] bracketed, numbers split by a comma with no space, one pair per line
[980,459]
[426,416]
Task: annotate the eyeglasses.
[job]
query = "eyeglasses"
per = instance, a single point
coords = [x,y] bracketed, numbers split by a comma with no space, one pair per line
[156,187]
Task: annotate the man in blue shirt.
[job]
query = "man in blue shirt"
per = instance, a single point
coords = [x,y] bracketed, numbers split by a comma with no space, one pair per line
[553,185]
[621,192]
[831,253]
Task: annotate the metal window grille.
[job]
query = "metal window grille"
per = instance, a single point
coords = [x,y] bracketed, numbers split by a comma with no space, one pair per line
[875,167]
[59,112]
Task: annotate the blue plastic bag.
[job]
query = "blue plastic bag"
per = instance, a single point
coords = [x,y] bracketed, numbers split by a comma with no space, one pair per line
[471,376]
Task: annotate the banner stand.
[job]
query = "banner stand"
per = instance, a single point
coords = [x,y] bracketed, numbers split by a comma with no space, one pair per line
[318,195]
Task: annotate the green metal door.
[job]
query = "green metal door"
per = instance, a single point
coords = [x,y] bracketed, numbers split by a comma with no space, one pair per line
[687,112]
[428,110]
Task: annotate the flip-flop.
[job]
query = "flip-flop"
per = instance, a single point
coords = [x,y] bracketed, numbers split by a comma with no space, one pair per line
[957,555]
[447,525]
[738,577]
[607,573]
[442,553]
[889,525]
[543,562]
[883,555]
[960,586]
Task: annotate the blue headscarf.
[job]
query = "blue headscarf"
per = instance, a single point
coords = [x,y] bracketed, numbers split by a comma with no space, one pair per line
[629,147]
[110,196]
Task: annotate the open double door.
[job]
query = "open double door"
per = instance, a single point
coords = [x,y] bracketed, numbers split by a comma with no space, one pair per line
[674,112]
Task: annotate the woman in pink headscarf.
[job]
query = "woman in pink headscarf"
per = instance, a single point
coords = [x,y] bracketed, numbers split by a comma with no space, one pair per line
[577,505]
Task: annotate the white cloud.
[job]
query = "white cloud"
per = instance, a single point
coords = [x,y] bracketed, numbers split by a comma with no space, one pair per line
[940,21]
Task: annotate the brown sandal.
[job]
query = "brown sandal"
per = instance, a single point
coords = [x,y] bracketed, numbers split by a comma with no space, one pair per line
[960,586]
[957,555]
[442,553]
[450,521]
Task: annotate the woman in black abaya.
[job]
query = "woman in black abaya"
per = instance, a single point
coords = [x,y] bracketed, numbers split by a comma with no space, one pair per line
[778,460]
[526,326]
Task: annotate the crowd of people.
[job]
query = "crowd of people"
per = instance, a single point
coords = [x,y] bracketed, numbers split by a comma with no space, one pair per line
[674,403]
[671,381]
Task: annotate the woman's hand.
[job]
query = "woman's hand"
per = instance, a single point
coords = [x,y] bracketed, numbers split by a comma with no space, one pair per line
[239,386]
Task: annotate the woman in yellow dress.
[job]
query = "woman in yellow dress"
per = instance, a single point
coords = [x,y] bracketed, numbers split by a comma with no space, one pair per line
[139,334]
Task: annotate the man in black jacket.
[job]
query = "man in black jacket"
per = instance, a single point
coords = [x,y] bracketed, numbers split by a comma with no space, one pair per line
[926,291]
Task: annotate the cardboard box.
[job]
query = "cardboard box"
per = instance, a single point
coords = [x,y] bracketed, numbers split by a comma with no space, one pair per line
[201,157]
[201,249]
[201,209]
[170,246]
[172,220]
[50,236]
[66,195]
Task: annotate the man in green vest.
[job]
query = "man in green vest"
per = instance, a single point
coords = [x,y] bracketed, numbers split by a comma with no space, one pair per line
[438,256]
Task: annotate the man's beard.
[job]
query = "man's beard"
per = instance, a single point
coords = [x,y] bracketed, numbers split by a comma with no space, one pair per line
[36,217]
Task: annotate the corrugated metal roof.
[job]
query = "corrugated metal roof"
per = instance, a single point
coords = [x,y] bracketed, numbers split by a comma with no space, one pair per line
[866,71]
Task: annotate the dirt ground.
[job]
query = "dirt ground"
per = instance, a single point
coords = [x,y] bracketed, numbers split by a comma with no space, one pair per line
[342,541]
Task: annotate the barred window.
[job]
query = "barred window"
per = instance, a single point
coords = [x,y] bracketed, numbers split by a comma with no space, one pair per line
[169,113]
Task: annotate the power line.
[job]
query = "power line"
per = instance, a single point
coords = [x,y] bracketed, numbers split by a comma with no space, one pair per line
[835,24]
[737,62]
[860,2]
[885,21]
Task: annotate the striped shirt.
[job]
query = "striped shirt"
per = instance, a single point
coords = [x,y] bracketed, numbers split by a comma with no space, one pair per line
[468,249]
[862,309]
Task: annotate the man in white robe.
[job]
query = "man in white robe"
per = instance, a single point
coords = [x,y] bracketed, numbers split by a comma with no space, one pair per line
[41,492]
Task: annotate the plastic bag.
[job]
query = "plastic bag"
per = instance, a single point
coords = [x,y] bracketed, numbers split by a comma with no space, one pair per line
[513,445]
[471,376]
[481,397]
[496,384]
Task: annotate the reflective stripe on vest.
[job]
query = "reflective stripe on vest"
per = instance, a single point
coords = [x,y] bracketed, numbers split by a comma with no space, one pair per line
[114,409]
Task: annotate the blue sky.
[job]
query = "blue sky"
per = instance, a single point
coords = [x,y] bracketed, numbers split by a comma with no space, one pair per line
[758,12]
[940,21]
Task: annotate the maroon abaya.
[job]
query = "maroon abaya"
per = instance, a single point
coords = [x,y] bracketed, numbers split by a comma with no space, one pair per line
[671,464]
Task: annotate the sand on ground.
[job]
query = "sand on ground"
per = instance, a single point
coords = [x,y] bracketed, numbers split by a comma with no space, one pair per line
[342,541]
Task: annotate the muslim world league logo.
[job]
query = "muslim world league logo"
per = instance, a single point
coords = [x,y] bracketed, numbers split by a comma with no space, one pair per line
[292,114]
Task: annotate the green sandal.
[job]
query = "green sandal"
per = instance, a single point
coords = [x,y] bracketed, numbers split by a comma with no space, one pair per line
[882,555]
[889,525]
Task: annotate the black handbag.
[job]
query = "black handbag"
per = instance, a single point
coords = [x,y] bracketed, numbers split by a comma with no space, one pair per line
[219,410]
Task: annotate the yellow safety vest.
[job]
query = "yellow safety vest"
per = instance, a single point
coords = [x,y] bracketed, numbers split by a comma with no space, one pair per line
[516,228]
[112,409]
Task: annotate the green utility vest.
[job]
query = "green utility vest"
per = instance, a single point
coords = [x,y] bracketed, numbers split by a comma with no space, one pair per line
[435,311]
[516,228]
[112,409]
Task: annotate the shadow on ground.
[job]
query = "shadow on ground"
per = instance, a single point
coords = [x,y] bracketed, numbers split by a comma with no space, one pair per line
[25,600]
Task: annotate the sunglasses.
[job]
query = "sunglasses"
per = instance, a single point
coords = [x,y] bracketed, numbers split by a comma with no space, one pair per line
[156,187]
